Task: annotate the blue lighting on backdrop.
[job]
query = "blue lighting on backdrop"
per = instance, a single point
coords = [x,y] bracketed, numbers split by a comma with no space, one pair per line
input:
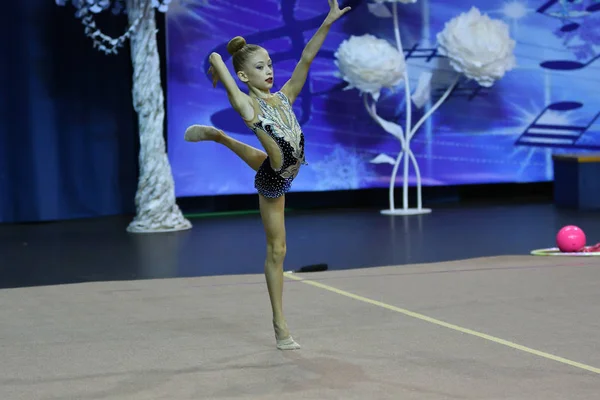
[507,133]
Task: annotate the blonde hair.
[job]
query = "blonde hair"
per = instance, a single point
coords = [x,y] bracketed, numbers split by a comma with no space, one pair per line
[240,51]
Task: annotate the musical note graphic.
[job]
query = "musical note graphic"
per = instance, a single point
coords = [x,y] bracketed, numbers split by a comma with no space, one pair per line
[567,65]
[594,7]
[577,22]
[464,91]
[545,7]
[557,135]
[570,27]
[567,9]
[567,14]
[427,53]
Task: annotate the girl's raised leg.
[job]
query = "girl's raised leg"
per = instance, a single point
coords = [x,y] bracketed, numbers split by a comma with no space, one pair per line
[272,214]
[250,155]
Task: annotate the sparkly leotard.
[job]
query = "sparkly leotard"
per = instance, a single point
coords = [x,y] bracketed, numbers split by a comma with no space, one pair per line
[281,125]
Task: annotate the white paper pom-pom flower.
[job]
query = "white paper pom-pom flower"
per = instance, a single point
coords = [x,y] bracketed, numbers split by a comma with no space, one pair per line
[477,46]
[369,64]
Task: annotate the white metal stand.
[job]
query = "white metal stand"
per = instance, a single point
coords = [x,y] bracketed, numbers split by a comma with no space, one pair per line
[405,137]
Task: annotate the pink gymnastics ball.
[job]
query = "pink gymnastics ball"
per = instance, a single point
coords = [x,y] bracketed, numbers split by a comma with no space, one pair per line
[570,239]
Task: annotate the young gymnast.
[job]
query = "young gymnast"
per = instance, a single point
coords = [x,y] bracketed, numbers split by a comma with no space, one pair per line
[272,119]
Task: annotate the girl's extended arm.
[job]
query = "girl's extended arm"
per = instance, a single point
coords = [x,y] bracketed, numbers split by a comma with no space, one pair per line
[238,99]
[293,87]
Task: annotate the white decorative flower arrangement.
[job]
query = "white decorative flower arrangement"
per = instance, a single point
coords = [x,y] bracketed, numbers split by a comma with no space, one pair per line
[477,47]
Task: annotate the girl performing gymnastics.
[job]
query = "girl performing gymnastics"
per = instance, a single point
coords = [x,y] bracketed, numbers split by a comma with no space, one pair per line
[271,118]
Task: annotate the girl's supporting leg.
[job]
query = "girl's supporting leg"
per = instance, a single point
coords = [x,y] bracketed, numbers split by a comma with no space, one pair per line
[250,155]
[272,214]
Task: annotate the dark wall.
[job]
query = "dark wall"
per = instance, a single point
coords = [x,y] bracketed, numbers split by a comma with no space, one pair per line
[68,138]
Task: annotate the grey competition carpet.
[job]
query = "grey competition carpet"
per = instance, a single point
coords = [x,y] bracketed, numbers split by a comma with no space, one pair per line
[376,333]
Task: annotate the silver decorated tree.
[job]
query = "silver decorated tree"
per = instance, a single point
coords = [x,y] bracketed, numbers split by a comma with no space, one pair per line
[156,207]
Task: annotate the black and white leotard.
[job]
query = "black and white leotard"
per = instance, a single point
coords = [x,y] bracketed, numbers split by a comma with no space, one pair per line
[279,123]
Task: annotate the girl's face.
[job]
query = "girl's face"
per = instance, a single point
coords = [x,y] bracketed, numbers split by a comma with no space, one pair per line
[258,71]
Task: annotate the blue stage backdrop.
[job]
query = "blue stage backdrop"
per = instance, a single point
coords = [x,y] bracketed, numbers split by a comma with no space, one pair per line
[508,133]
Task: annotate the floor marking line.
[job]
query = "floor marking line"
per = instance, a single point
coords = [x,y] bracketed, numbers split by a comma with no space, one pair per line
[446,325]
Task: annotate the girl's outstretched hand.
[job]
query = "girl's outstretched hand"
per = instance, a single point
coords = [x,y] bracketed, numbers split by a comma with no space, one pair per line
[334,11]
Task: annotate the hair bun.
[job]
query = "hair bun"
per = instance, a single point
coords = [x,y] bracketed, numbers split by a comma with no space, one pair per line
[235,44]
